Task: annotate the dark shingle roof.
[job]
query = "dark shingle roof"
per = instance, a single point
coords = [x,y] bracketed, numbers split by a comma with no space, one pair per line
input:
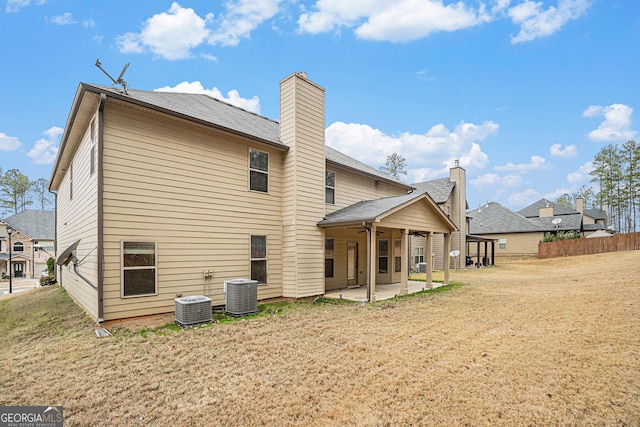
[596,213]
[493,218]
[438,189]
[213,111]
[533,210]
[39,225]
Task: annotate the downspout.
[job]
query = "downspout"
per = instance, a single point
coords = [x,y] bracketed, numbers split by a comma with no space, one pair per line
[369,245]
[55,235]
[100,219]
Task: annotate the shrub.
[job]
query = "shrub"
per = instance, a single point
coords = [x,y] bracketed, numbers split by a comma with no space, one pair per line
[560,235]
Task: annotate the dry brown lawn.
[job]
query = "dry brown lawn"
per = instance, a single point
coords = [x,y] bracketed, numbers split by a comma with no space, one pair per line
[532,342]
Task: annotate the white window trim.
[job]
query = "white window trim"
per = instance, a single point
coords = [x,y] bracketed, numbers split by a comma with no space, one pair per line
[328,186]
[265,259]
[123,268]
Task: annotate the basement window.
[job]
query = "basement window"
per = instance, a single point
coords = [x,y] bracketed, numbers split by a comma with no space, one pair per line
[139,269]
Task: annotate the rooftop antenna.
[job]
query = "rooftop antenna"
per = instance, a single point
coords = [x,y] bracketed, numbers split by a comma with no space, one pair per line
[119,80]
[556,222]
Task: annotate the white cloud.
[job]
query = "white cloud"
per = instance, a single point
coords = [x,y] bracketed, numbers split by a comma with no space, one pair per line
[45,149]
[492,180]
[536,163]
[569,151]
[241,18]
[14,6]
[170,34]
[524,198]
[8,143]
[535,22]
[581,175]
[233,96]
[428,155]
[88,23]
[395,21]
[64,19]
[617,123]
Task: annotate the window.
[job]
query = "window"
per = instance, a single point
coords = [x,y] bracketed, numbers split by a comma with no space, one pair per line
[139,269]
[397,253]
[502,243]
[418,255]
[92,154]
[330,187]
[18,247]
[258,171]
[328,257]
[259,258]
[383,256]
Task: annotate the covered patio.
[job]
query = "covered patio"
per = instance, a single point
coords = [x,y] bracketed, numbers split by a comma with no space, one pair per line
[383,292]
[367,245]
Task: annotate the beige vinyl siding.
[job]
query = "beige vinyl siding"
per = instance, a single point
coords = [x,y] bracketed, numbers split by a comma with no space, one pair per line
[517,244]
[419,215]
[341,238]
[352,187]
[185,187]
[302,129]
[78,219]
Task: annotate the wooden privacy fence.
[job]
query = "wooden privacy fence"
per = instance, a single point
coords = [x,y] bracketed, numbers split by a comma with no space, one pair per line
[584,246]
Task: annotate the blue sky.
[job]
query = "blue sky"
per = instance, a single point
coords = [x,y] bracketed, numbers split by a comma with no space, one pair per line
[523,92]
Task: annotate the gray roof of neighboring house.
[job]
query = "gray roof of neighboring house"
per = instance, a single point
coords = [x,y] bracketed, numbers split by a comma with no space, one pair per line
[596,213]
[533,210]
[209,110]
[493,218]
[592,227]
[368,210]
[438,189]
[39,225]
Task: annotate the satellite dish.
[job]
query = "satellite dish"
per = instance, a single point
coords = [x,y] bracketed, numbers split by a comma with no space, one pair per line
[68,255]
[454,253]
[556,221]
[119,80]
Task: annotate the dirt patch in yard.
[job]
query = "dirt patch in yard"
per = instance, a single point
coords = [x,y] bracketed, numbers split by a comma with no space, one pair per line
[528,342]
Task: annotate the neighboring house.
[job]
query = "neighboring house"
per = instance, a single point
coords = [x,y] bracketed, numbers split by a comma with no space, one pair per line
[32,242]
[518,233]
[451,196]
[172,194]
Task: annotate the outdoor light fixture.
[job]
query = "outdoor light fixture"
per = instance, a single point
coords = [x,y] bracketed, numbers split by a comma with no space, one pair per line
[10,232]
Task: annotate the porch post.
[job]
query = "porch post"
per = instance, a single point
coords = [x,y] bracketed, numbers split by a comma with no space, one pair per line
[404,273]
[493,253]
[372,263]
[429,258]
[447,258]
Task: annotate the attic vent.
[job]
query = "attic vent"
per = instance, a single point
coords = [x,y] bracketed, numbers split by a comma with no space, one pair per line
[193,310]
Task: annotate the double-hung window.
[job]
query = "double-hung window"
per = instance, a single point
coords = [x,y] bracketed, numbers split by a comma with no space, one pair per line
[139,269]
[383,256]
[418,255]
[258,171]
[330,187]
[259,258]
[328,257]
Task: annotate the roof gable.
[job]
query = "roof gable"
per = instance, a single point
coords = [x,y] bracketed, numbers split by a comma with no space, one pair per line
[38,225]
[376,210]
[533,210]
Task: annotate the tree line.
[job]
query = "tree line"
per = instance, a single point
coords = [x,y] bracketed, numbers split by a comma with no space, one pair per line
[616,171]
[18,192]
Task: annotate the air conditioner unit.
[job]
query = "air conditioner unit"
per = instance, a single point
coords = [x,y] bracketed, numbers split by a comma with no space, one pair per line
[193,310]
[242,297]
